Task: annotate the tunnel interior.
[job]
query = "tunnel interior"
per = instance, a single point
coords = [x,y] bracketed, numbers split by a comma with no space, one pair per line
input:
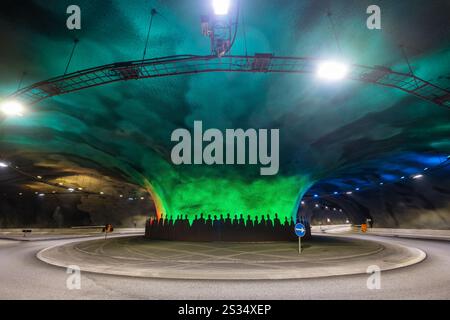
[103,154]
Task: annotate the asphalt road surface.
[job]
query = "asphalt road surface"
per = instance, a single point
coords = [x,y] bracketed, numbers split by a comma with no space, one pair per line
[23,276]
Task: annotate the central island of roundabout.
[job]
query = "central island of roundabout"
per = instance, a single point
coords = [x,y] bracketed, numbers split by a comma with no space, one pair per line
[322,256]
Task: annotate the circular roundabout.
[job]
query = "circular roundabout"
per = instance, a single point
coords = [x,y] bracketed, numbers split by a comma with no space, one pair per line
[322,256]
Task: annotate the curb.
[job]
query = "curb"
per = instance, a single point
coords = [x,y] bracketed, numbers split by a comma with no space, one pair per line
[321,269]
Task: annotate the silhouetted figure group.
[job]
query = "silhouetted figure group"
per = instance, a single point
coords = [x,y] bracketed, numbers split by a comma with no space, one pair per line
[220,228]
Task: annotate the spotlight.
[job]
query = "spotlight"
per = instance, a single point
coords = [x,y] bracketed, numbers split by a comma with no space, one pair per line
[12,108]
[221,7]
[335,193]
[303,202]
[417,176]
[316,196]
[332,70]
[71,189]
[357,189]
[349,192]
[3,165]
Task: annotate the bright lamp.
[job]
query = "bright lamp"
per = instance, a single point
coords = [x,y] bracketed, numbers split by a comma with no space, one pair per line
[221,7]
[332,70]
[12,108]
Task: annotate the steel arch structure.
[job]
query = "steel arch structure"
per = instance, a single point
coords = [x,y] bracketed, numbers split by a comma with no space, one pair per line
[193,64]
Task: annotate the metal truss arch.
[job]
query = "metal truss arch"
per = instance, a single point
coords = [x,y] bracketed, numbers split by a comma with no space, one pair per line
[193,64]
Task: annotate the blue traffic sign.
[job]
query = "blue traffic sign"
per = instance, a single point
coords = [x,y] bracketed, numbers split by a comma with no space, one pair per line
[300,230]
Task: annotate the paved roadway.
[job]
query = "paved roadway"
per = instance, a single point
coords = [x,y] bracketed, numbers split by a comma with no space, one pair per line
[23,276]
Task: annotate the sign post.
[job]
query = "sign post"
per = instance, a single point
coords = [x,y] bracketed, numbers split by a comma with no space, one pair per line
[300,231]
[299,245]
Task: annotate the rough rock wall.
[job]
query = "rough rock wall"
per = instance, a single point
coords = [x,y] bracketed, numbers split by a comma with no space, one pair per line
[423,204]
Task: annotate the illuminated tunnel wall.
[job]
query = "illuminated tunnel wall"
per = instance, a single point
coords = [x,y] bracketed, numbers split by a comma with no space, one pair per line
[326,130]
[390,196]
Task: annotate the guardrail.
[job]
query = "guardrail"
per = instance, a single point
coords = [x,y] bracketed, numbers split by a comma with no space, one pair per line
[411,233]
[430,234]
